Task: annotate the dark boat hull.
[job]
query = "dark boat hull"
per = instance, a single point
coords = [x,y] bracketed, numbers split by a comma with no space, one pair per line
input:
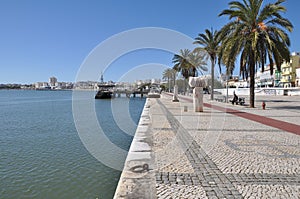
[103,95]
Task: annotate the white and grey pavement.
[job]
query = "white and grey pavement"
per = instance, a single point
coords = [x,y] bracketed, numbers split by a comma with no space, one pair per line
[213,154]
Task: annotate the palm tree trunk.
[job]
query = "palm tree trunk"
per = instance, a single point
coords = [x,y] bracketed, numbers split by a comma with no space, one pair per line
[185,86]
[212,78]
[174,80]
[169,84]
[252,82]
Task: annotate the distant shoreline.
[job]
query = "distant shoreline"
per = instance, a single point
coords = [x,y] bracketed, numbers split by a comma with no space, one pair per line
[36,89]
[73,89]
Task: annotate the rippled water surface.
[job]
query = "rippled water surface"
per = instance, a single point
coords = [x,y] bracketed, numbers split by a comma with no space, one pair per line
[41,153]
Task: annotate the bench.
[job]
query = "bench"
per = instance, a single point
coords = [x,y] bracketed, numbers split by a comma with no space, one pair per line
[240,101]
[220,99]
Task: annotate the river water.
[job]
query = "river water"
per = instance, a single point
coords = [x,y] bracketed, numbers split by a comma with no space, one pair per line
[41,153]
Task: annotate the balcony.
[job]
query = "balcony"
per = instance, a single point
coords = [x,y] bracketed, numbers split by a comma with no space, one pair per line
[285,65]
[285,81]
[284,73]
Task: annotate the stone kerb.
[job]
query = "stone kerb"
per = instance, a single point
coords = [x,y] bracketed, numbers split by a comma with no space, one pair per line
[138,176]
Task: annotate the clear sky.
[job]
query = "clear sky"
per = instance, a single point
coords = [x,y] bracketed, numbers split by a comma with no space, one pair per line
[43,38]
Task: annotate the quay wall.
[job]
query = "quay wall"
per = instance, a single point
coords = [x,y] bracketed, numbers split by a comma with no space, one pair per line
[138,177]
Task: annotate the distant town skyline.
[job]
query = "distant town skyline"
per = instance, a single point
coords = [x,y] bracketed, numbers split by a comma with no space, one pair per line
[40,39]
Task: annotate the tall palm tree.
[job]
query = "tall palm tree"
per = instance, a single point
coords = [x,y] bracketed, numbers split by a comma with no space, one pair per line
[182,64]
[256,33]
[197,60]
[188,63]
[169,74]
[210,43]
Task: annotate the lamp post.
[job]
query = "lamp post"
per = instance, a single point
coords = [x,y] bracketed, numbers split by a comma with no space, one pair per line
[227,78]
[169,84]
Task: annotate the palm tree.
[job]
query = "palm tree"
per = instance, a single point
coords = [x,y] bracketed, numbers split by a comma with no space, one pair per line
[169,74]
[182,64]
[196,59]
[256,34]
[210,43]
[188,63]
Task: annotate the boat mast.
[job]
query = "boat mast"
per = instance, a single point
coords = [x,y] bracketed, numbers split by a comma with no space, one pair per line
[101,79]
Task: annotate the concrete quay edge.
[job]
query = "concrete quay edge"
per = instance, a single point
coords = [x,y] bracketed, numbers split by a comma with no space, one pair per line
[138,176]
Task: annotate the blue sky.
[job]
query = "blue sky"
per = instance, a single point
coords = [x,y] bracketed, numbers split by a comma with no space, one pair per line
[47,38]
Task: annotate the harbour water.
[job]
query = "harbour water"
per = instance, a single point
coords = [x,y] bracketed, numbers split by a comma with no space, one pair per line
[41,153]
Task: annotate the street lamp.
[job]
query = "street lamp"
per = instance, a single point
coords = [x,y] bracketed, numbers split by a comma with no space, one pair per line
[227,78]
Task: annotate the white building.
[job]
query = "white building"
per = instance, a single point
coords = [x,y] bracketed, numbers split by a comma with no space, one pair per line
[41,85]
[297,84]
[92,85]
[265,79]
[52,82]
[155,81]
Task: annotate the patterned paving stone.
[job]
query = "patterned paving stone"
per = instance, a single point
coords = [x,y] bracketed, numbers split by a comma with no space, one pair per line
[219,153]
[219,184]
[210,175]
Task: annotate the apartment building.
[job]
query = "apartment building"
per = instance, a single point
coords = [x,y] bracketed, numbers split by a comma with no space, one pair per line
[288,71]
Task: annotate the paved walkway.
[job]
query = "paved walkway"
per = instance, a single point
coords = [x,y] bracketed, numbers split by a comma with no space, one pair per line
[285,126]
[224,152]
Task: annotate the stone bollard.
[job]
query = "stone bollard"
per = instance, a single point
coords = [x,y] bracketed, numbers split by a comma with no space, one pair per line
[185,108]
[198,85]
[175,96]
[198,99]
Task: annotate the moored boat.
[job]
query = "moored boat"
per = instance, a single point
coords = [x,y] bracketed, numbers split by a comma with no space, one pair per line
[104,92]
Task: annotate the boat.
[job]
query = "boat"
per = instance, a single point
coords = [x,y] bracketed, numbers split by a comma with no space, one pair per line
[104,92]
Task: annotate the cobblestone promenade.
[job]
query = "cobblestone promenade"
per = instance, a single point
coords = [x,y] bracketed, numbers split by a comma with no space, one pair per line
[227,151]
